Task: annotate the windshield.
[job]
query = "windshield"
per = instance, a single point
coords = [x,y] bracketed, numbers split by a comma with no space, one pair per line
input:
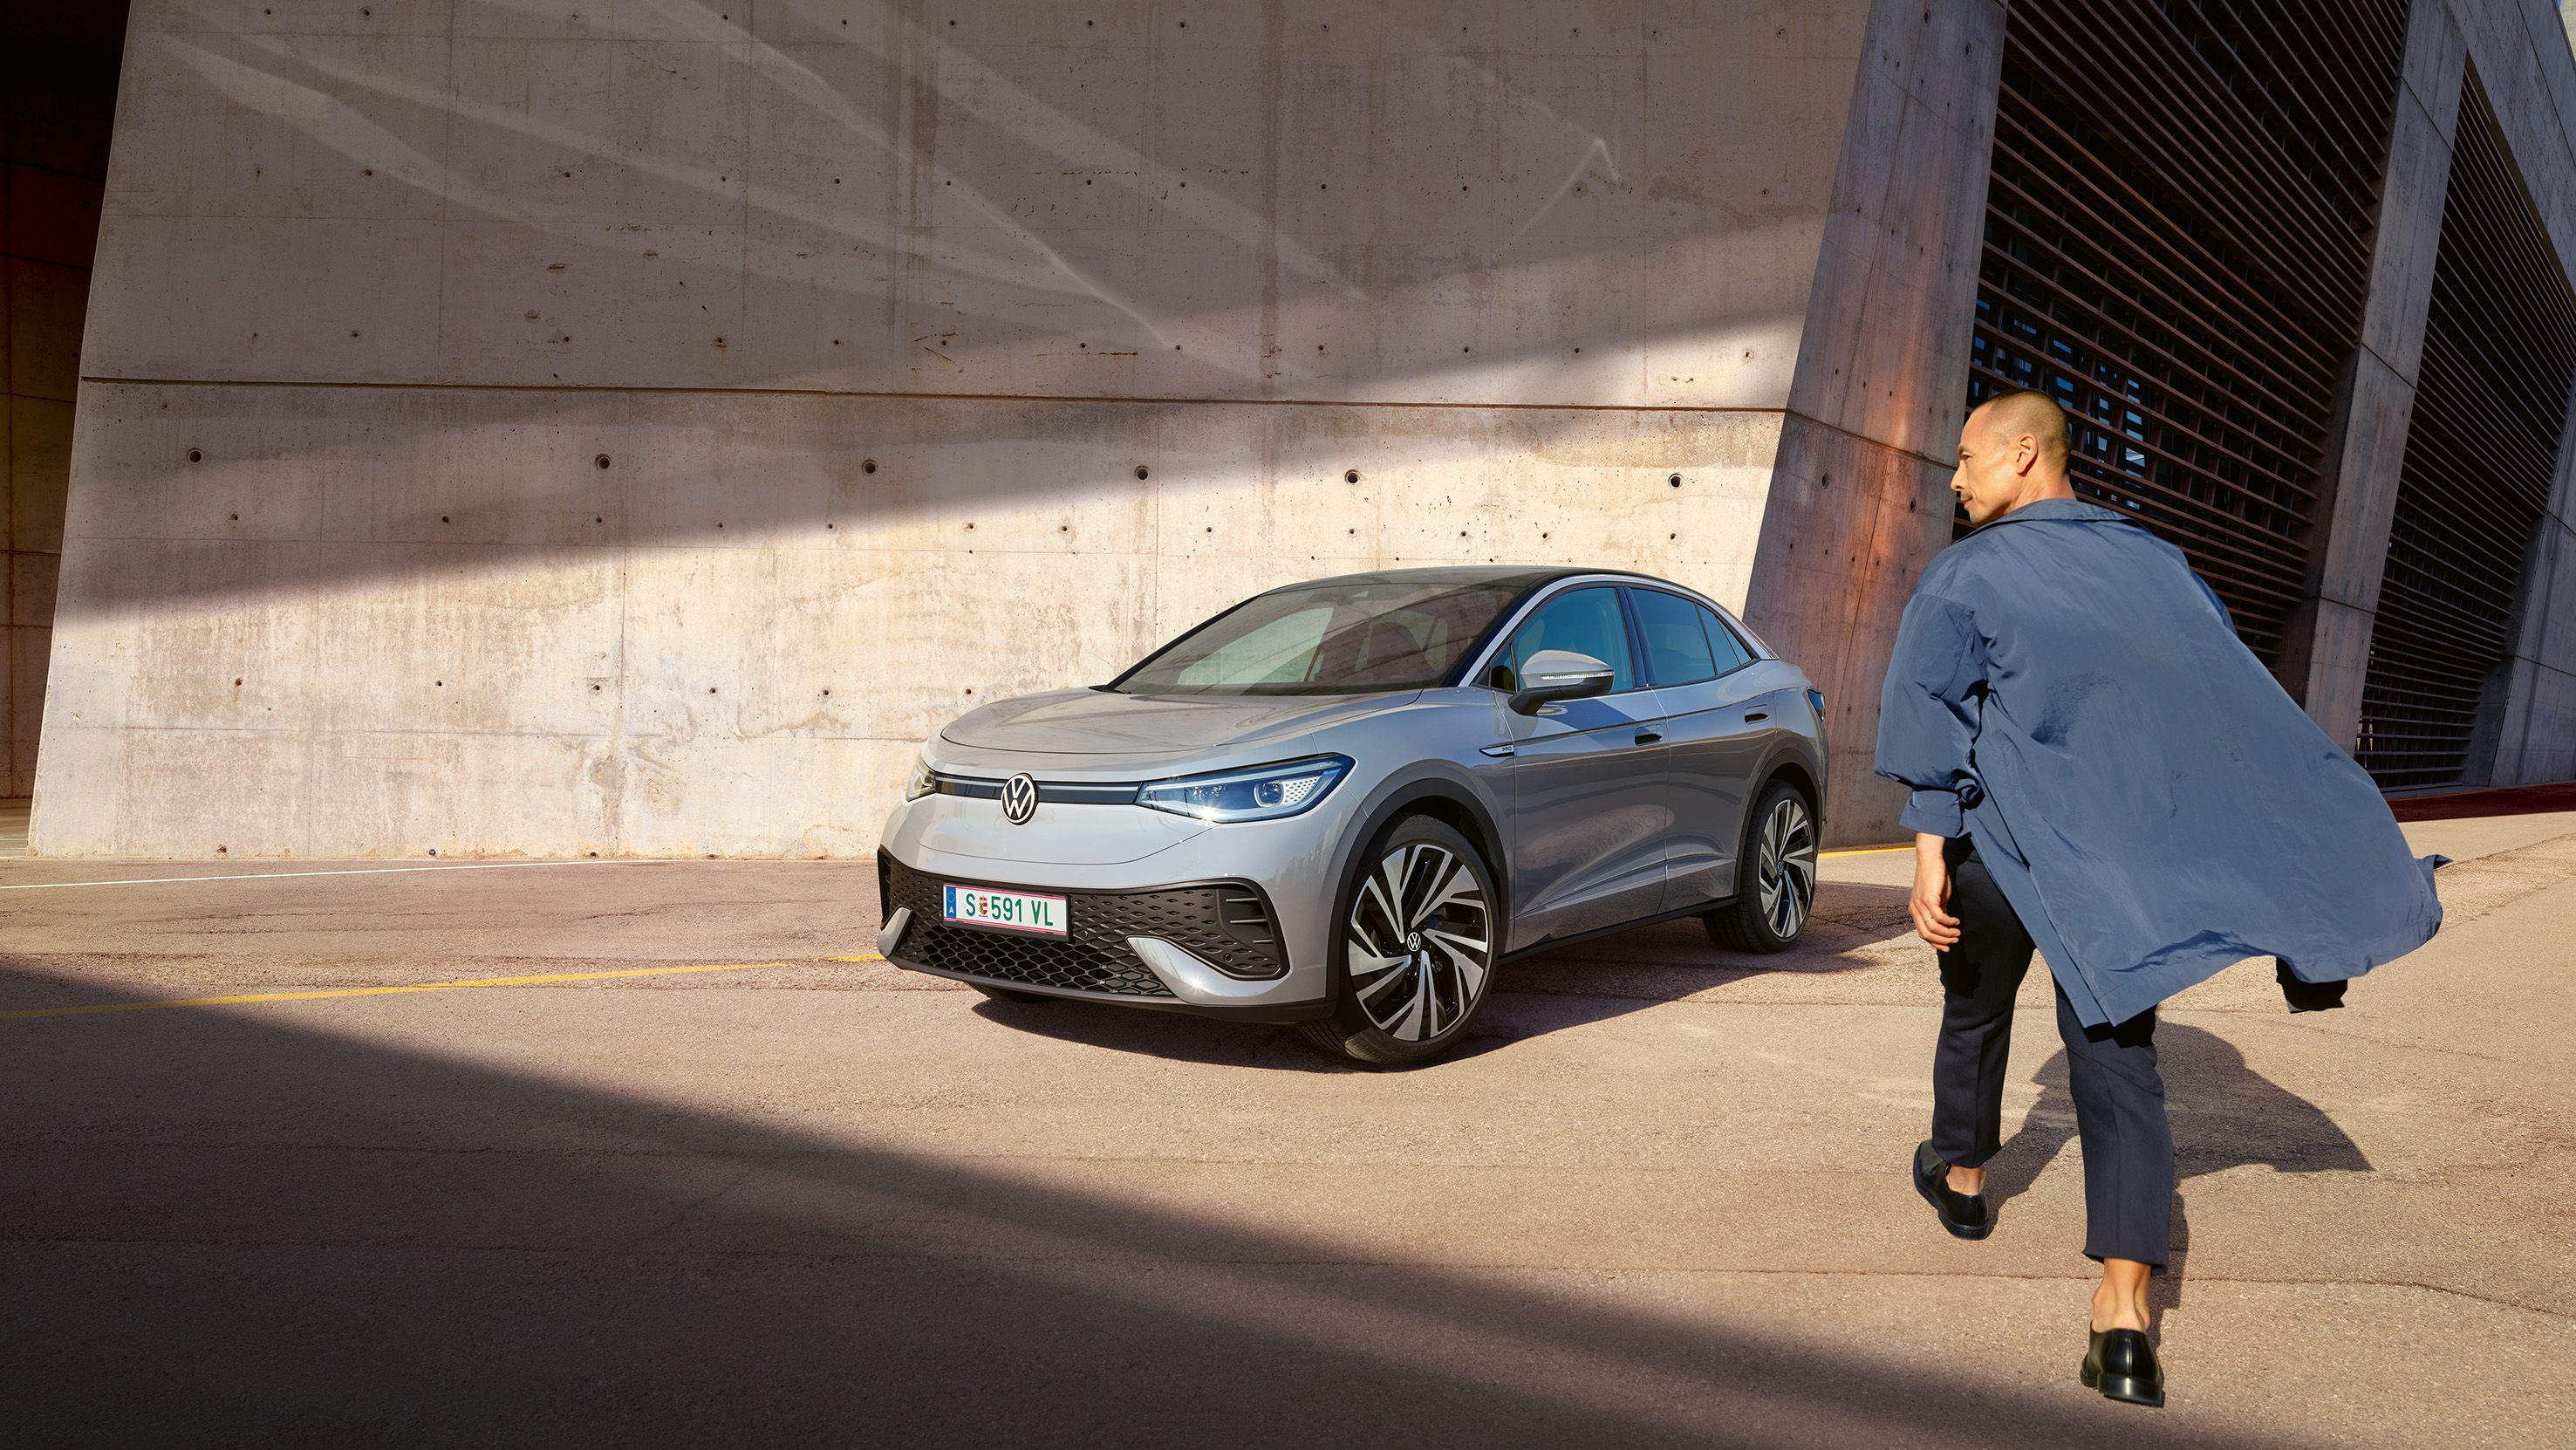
[1345,638]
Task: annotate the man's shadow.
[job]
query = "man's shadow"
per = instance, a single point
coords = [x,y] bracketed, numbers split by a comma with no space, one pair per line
[2224,1114]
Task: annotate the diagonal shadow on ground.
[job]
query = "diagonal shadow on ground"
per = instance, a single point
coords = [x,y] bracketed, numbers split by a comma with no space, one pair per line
[224,1227]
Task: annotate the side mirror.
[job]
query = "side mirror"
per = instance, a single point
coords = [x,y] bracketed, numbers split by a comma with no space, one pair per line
[1559,674]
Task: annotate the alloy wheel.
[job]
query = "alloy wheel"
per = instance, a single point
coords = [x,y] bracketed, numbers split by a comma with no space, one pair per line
[1785,871]
[1420,942]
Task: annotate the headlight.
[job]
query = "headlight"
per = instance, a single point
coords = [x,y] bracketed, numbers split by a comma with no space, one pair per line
[1264,793]
[921,782]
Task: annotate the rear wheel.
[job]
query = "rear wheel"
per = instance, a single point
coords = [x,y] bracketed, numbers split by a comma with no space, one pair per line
[1006,994]
[1416,947]
[1775,884]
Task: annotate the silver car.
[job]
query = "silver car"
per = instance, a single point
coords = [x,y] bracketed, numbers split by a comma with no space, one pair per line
[1343,803]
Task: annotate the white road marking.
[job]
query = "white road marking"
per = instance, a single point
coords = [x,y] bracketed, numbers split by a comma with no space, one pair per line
[356,871]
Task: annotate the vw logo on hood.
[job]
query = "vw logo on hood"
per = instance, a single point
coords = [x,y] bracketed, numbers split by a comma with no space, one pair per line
[1019,798]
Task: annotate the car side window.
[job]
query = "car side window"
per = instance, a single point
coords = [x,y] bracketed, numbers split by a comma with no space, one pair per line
[1587,621]
[1730,649]
[1677,644]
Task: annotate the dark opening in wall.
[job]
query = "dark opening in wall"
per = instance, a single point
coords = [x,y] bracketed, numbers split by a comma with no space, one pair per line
[58,73]
[2481,453]
[2178,245]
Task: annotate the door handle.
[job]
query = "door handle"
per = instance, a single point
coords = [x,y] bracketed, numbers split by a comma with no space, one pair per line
[1752,715]
[1649,737]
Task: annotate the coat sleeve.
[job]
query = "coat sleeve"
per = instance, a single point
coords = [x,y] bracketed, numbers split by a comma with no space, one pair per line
[2214,601]
[1928,710]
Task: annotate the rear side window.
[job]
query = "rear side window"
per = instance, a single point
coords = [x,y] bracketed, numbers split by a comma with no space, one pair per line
[1586,621]
[1730,649]
[1677,643]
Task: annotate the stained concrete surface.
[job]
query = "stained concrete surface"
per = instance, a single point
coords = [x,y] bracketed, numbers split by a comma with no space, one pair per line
[1658,1199]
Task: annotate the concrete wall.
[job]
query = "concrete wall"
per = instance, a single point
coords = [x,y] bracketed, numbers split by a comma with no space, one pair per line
[58,70]
[630,427]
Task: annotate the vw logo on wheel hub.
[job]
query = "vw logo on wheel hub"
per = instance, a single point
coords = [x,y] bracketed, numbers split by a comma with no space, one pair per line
[1413,943]
[1020,798]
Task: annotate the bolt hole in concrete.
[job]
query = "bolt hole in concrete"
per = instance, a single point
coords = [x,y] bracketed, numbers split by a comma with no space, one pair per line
[236,518]
[601,460]
[1351,476]
[870,466]
[1140,470]
[196,457]
[1675,480]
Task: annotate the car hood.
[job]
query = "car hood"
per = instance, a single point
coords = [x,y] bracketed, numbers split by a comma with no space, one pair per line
[1099,722]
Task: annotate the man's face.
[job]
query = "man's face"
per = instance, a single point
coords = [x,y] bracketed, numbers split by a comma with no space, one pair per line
[1994,470]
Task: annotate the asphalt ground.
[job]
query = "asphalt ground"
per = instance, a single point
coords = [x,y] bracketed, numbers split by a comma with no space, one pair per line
[1659,1199]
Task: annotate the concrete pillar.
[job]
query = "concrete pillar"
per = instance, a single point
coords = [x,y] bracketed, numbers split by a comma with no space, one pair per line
[1859,498]
[2327,646]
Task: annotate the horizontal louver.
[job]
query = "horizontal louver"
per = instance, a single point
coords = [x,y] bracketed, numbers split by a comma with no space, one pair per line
[2481,451]
[2178,244]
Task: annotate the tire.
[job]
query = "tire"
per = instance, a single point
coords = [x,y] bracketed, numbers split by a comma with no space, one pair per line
[1006,994]
[1776,889]
[1415,949]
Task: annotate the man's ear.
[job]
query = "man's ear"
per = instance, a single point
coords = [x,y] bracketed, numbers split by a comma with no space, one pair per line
[2025,454]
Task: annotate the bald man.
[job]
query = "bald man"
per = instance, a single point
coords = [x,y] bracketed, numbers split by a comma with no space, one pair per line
[2102,772]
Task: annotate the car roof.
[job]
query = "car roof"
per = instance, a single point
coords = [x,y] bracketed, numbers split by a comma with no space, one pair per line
[1514,576]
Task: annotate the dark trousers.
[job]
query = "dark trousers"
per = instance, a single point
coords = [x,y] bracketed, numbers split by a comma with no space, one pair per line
[2110,1073]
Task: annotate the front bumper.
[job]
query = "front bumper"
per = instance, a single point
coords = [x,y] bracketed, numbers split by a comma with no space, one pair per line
[1207,947]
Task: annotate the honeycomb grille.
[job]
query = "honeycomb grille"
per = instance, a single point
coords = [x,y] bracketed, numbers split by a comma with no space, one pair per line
[1228,924]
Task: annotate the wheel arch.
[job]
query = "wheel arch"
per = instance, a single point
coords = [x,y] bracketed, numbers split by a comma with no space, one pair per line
[1455,803]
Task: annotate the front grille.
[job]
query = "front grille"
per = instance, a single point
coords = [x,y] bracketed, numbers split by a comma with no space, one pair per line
[1226,923]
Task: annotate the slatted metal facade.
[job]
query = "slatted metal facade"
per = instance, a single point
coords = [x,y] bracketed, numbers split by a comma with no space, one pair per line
[2178,245]
[2481,452]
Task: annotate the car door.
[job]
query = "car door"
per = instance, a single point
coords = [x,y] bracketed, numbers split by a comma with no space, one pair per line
[1589,799]
[1716,730]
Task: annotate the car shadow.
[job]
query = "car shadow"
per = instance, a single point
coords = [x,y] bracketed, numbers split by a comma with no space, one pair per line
[2225,1115]
[1549,991]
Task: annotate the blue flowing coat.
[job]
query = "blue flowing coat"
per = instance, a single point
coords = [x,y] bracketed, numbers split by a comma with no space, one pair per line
[2152,803]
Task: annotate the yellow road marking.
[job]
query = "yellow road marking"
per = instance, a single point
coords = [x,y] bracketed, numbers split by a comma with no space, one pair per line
[537,981]
[1862,851]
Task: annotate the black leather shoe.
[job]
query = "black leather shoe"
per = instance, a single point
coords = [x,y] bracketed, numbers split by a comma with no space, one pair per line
[2122,1365]
[1963,1214]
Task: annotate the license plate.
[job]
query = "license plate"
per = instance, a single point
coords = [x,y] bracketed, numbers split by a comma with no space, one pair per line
[1009,910]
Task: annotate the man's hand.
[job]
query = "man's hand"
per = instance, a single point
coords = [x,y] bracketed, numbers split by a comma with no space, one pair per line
[1931,900]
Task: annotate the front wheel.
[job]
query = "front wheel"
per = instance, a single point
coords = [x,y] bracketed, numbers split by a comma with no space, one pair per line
[1775,881]
[1417,947]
